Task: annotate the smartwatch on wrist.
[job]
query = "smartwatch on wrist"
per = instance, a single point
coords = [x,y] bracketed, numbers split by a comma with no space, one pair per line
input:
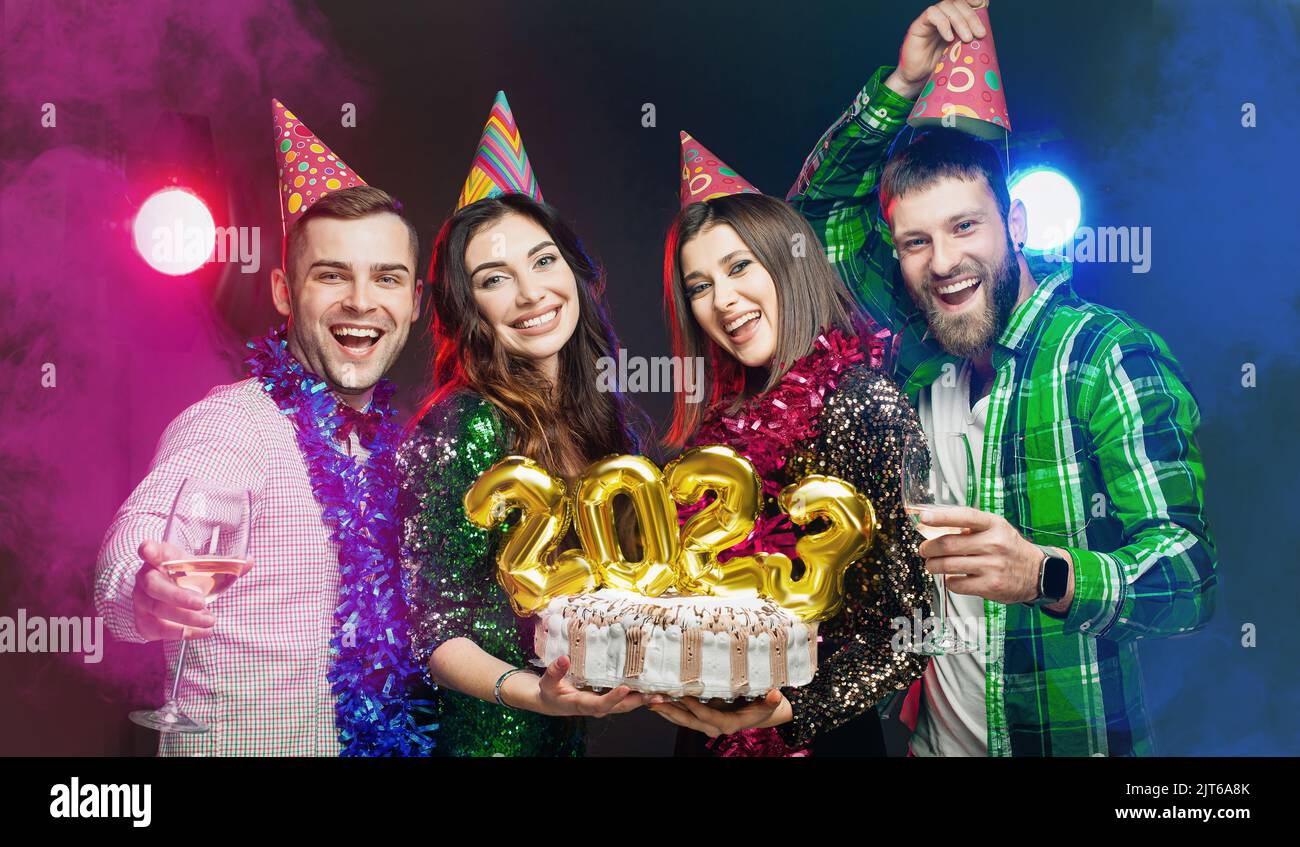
[1053,579]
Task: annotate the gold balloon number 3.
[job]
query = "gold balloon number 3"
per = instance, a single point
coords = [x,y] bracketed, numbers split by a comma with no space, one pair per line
[684,559]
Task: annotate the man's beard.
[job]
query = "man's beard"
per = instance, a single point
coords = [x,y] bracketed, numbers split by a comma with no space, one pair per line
[971,334]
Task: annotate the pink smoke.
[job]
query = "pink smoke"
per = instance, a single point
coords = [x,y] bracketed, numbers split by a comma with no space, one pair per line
[130,347]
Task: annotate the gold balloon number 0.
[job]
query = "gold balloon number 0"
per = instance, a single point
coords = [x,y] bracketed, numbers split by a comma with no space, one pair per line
[685,558]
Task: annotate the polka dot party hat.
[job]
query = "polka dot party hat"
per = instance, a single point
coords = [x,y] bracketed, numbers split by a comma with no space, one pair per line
[500,163]
[705,176]
[308,169]
[966,89]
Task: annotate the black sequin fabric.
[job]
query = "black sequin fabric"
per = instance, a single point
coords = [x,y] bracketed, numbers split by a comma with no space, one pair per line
[861,441]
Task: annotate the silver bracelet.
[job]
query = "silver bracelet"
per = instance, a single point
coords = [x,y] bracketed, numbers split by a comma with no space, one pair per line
[500,680]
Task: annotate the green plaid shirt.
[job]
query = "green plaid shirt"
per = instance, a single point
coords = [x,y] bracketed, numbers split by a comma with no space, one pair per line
[1090,446]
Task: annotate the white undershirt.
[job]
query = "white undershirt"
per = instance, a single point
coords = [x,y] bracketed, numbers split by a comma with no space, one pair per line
[952,719]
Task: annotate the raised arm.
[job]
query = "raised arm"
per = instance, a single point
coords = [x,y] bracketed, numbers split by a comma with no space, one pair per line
[836,192]
[843,170]
[837,187]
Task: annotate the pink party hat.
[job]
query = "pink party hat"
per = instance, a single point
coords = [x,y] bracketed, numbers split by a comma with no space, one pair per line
[705,176]
[966,84]
[501,163]
[308,169]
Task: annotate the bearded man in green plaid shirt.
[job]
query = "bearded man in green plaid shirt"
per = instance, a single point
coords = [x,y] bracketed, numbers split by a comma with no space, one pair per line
[1083,528]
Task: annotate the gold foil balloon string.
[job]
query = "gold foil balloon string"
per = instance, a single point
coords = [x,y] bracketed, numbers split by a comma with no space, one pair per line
[682,558]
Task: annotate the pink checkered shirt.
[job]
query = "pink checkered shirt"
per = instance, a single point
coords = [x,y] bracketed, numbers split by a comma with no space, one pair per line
[260,681]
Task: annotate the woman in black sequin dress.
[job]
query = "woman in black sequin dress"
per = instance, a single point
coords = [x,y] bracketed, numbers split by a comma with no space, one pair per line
[739,295]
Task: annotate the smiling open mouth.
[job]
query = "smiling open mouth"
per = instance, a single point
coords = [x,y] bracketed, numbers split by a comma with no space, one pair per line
[737,327]
[357,337]
[539,320]
[956,293]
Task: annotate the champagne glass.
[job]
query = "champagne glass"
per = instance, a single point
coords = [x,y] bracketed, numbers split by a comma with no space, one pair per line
[924,485]
[210,523]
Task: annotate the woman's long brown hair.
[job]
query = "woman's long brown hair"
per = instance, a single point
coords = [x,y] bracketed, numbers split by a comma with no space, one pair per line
[810,296]
[563,429]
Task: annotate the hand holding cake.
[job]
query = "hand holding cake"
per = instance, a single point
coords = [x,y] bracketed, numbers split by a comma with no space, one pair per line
[713,721]
[553,693]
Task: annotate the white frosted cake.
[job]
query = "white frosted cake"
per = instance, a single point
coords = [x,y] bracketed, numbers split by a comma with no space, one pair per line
[694,646]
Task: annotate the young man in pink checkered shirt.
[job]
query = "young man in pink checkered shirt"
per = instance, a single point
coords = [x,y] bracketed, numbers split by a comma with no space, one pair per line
[256,668]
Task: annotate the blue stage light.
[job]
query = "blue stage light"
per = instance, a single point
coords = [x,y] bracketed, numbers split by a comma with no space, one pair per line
[1052,206]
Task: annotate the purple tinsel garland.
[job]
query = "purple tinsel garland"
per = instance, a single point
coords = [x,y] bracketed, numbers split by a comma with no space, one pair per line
[373,674]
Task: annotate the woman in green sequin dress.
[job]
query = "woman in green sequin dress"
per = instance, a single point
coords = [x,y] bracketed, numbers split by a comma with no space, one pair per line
[519,327]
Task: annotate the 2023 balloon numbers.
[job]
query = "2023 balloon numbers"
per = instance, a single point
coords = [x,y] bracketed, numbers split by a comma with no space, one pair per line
[681,557]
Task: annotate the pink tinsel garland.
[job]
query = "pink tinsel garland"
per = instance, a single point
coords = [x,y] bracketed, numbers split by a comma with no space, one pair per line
[768,427]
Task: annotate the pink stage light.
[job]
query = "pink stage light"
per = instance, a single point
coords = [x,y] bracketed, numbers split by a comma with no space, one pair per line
[174,232]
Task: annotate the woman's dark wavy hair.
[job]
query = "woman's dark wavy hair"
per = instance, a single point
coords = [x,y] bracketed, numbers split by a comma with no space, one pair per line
[578,422]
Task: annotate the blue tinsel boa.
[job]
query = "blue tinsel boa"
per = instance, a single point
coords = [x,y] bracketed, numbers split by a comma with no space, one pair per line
[373,675]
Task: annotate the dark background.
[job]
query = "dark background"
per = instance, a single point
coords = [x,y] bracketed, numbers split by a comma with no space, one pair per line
[1139,103]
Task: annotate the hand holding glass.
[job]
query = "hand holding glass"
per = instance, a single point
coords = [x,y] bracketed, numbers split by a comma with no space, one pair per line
[209,525]
[921,484]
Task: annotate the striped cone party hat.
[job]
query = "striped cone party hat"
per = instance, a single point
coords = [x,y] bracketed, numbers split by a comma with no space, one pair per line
[500,164]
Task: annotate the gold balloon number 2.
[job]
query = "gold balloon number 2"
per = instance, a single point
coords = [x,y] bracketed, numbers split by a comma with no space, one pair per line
[683,558]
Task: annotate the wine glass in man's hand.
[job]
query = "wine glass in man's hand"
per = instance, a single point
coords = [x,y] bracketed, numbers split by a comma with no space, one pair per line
[204,549]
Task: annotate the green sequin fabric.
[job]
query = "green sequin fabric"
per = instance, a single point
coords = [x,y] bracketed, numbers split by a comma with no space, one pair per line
[449,575]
